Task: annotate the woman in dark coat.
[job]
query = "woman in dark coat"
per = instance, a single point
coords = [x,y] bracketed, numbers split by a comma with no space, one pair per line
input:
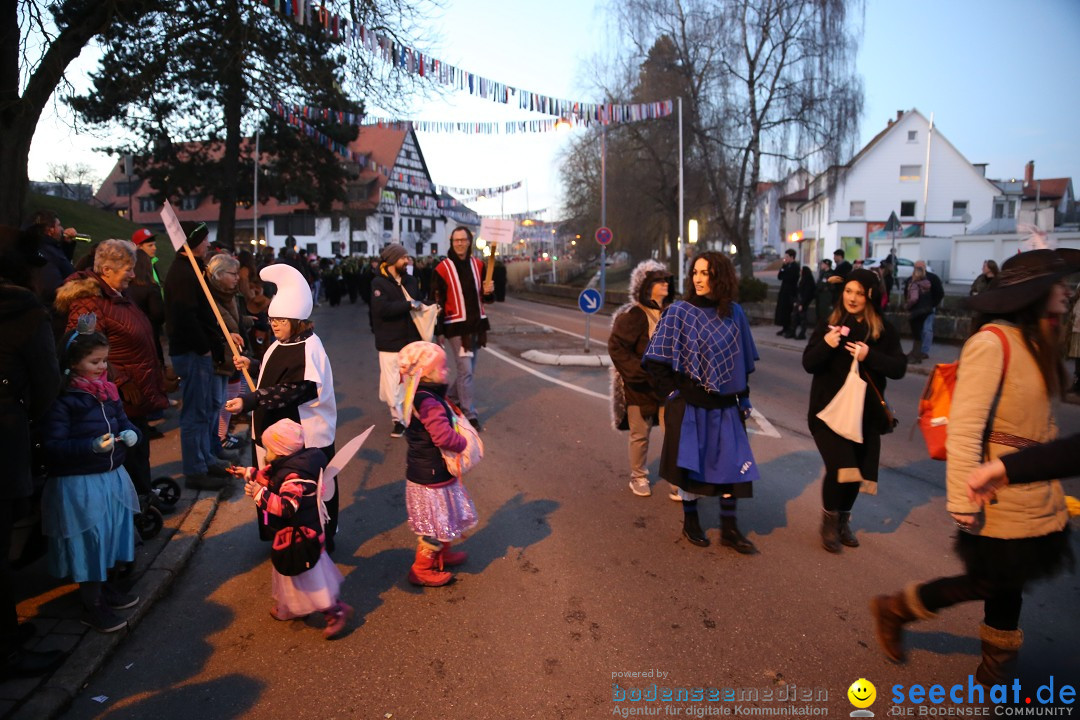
[854,329]
[29,382]
[803,300]
[635,405]
[785,301]
[133,361]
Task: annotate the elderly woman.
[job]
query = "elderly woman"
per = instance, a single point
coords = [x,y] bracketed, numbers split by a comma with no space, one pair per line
[133,362]
[223,273]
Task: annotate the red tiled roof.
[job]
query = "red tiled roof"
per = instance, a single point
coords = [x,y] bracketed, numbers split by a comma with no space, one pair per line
[1047,188]
[797,196]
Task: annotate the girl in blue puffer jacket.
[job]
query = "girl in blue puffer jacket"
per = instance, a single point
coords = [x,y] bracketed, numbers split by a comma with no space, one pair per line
[89,500]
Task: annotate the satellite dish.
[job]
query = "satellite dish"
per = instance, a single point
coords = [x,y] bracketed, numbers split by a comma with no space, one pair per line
[966,218]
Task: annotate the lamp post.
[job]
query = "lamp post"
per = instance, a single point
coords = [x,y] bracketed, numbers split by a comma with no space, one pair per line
[682,264]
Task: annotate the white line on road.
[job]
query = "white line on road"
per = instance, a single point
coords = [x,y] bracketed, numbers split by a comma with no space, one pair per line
[767,428]
[552,327]
[511,361]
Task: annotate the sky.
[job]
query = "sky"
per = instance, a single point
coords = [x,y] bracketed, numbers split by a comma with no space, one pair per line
[999,77]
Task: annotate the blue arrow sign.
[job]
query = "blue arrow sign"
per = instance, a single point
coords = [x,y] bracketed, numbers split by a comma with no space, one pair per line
[589,301]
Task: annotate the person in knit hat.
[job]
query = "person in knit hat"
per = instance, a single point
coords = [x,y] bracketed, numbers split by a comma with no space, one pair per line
[394,294]
[440,509]
[286,491]
[854,329]
[295,380]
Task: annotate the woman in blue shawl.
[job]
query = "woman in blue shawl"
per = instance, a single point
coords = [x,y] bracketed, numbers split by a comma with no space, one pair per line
[700,359]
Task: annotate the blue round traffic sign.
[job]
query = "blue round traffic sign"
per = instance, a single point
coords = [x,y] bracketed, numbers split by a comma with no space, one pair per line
[590,301]
[603,235]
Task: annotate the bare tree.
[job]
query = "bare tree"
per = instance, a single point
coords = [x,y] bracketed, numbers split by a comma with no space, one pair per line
[77,179]
[770,84]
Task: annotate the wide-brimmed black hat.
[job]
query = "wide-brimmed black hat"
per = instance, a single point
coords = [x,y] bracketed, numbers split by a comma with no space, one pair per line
[1025,278]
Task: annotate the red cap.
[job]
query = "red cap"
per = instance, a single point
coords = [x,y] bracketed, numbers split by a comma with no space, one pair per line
[141,235]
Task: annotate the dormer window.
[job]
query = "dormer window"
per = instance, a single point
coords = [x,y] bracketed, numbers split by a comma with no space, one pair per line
[912,135]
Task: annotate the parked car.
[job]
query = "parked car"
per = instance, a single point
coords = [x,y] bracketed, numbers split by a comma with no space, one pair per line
[903,269]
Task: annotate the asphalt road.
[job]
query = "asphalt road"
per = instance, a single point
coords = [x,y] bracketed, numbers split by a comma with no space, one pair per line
[571,579]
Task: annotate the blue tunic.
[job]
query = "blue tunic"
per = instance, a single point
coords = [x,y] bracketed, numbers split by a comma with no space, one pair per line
[717,356]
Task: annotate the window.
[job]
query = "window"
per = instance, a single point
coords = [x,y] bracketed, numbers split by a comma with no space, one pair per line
[292,200]
[907,208]
[1004,209]
[147,204]
[858,208]
[419,248]
[959,208]
[432,224]
[125,188]
[910,172]
[359,247]
[360,224]
[434,246]
[312,248]
[189,202]
[912,135]
[388,223]
[298,224]
[335,223]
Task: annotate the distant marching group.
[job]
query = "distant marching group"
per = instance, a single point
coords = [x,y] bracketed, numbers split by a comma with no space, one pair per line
[683,364]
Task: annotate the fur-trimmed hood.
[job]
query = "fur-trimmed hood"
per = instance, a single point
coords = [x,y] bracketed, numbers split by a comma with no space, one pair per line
[643,276]
[83,284]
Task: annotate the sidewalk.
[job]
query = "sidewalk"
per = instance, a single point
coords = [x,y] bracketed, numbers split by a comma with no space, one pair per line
[53,605]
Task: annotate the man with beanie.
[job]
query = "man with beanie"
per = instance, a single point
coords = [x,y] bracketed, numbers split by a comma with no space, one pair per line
[195,342]
[457,288]
[394,294]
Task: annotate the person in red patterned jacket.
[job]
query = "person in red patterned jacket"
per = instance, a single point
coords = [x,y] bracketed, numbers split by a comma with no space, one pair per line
[133,361]
[459,290]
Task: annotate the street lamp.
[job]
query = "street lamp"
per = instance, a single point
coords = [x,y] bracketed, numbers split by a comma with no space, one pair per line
[691,234]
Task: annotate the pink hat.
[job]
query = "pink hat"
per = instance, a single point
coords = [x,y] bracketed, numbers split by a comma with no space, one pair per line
[421,358]
[284,437]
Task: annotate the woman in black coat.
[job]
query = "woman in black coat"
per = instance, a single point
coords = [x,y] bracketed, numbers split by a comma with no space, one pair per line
[854,329]
[804,297]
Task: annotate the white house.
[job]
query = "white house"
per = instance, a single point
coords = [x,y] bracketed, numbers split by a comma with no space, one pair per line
[910,169]
[773,219]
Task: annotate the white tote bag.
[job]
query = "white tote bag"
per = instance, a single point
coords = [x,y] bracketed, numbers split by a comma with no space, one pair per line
[424,318]
[844,412]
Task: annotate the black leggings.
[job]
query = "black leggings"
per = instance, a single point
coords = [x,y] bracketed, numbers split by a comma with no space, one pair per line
[1001,603]
[837,495]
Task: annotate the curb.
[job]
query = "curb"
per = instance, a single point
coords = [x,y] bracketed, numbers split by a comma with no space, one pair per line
[89,655]
[544,358]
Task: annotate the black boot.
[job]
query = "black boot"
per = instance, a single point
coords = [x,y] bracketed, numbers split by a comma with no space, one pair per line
[730,535]
[1000,655]
[891,613]
[830,531]
[691,527]
[847,537]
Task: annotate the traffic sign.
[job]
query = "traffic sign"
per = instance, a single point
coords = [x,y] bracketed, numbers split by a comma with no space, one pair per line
[589,301]
[603,235]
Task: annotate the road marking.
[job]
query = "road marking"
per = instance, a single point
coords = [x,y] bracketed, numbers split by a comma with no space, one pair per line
[511,361]
[566,332]
[767,428]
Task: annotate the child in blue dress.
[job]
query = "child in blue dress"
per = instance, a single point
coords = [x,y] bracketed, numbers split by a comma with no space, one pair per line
[88,502]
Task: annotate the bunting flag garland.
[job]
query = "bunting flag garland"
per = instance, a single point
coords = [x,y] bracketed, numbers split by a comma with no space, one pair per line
[416,63]
[477,193]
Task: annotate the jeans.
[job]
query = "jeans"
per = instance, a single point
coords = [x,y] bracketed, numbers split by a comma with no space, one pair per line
[461,392]
[196,377]
[218,387]
[928,333]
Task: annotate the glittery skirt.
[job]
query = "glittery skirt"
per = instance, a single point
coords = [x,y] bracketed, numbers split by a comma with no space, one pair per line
[444,512]
[313,591]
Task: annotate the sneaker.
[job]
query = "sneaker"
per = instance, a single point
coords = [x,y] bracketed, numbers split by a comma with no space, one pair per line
[640,487]
[399,429]
[117,600]
[231,442]
[336,619]
[200,481]
[103,619]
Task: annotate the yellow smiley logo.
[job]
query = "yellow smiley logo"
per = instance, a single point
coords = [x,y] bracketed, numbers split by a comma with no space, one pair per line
[862,693]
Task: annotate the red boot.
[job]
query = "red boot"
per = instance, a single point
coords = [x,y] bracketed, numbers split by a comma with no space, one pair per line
[427,567]
[450,558]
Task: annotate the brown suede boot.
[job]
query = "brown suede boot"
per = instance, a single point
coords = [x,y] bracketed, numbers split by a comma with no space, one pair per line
[1000,655]
[426,568]
[891,613]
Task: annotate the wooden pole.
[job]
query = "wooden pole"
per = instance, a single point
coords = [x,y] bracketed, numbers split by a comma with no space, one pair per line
[217,313]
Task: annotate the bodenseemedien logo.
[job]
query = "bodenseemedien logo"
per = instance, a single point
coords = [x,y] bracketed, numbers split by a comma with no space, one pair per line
[862,695]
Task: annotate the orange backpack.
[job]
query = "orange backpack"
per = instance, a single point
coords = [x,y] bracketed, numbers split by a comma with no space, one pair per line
[936,401]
